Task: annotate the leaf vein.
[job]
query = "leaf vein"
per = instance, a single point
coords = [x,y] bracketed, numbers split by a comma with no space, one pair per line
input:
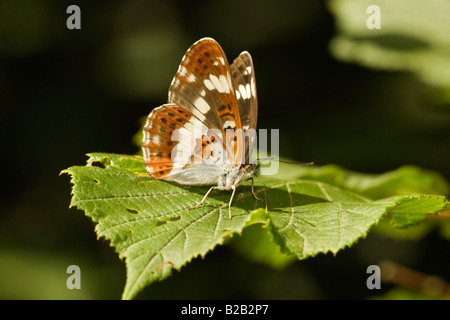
[115,197]
[292,208]
[165,245]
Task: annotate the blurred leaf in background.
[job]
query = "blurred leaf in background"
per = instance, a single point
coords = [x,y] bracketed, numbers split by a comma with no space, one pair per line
[406,179]
[413,37]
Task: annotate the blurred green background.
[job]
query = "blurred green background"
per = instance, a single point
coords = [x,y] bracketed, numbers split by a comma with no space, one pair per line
[65,93]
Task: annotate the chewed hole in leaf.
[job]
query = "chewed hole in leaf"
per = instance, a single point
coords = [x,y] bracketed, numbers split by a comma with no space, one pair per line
[98,164]
[132,211]
[161,222]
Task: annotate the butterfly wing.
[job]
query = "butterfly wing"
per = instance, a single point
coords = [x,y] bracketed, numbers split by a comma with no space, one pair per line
[181,139]
[176,147]
[244,83]
[243,79]
[204,86]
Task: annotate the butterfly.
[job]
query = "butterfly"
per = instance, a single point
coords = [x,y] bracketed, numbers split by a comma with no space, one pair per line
[206,132]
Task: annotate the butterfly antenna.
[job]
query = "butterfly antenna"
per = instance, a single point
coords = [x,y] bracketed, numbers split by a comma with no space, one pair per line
[297,162]
[285,161]
[269,158]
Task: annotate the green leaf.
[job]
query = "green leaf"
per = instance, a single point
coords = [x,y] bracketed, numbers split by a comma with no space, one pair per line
[404,180]
[400,226]
[322,218]
[131,163]
[412,211]
[407,40]
[149,223]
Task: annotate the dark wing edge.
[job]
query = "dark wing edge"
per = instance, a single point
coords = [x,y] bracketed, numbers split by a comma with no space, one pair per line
[244,83]
[243,78]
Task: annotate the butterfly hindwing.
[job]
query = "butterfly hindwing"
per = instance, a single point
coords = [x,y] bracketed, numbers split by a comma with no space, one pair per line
[157,140]
[176,143]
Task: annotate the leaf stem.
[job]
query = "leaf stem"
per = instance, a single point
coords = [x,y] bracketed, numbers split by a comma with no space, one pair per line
[414,280]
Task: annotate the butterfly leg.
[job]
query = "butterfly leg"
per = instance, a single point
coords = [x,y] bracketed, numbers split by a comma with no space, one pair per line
[253,191]
[204,198]
[231,200]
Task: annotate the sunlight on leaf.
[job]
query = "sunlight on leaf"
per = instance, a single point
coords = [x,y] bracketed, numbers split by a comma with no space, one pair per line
[149,223]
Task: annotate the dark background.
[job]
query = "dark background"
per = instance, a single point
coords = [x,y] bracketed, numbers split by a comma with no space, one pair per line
[65,93]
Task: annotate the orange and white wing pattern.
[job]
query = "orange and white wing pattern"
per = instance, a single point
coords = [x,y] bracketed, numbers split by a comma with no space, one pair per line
[187,140]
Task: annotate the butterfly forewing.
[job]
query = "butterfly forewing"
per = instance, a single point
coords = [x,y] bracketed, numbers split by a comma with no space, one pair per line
[203,84]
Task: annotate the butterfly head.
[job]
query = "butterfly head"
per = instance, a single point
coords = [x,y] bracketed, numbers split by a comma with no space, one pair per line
[250,169]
